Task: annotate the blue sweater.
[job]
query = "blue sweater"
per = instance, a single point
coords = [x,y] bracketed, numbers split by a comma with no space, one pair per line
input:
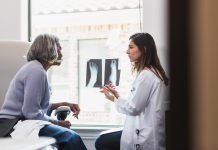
[28,94]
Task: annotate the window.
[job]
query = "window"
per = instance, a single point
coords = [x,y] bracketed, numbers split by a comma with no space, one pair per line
[94,36]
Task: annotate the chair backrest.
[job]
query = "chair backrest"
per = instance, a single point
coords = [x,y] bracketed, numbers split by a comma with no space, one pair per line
[12,58]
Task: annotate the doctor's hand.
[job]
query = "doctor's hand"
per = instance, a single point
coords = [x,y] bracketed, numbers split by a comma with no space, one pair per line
[109,92]
[111,88]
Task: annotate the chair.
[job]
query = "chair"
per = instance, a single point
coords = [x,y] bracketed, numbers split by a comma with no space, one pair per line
[12,58]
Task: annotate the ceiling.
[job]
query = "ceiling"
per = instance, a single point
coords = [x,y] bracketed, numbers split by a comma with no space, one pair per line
[72,6]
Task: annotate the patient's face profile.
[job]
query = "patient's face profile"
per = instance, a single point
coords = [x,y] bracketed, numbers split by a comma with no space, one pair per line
[60,55]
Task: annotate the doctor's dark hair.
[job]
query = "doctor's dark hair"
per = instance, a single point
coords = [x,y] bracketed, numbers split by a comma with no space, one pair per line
[43,48]
[149,57]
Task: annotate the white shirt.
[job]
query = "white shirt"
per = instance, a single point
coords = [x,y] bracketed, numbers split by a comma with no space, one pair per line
[144,127]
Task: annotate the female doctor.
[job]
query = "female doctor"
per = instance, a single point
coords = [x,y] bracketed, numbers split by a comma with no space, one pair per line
[144,127]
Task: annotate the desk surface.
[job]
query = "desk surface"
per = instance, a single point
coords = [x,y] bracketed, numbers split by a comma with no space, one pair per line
[25,144]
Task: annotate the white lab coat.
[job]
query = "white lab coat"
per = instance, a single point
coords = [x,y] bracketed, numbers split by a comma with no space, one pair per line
[144,127]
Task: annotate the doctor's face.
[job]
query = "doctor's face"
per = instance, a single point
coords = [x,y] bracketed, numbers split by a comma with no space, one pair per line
[133,52]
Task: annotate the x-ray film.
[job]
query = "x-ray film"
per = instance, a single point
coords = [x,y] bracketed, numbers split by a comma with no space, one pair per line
[94,73]
[112,74]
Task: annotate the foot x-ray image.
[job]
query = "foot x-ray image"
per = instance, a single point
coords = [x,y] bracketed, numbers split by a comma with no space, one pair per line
[94,73]
[112,74]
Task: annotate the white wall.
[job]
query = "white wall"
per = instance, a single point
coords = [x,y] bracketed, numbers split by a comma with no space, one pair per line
[155,20]
[13,16]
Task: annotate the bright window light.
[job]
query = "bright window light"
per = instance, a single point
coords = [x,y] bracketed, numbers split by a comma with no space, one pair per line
[94,36]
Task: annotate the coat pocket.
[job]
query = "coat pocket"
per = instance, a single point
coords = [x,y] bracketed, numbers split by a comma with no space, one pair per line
[142,139]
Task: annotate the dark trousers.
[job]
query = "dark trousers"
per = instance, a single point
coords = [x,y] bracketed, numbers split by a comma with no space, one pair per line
[66,139]
[6,126]
[108,141]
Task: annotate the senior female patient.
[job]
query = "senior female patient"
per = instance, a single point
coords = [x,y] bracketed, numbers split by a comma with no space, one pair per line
[28,96]
[144,127]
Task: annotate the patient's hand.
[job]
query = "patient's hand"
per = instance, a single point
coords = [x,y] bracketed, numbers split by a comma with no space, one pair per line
[63,123]
[75,109]
[113,75]
[93,67]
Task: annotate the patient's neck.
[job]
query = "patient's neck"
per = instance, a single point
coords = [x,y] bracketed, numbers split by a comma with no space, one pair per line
[46,65]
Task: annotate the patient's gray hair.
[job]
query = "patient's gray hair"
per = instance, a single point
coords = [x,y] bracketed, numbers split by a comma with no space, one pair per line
[43,48]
